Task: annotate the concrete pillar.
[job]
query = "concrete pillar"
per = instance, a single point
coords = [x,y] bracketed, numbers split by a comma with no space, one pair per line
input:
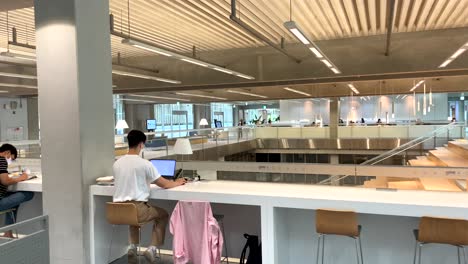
[334,117]
[199,112]
[76,115]
[260,67]
[151,111]
[33,118]
[130,115]
[334,160]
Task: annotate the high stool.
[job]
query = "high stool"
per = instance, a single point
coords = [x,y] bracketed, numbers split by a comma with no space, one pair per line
[12,213]
[452,232]
[124,214]
[220,220]
[341,223]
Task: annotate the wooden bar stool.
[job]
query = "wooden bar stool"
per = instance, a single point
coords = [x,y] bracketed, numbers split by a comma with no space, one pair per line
[341,223]
[124,214]
[452,232]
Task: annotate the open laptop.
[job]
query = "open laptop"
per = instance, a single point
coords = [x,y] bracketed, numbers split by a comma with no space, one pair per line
[165,167]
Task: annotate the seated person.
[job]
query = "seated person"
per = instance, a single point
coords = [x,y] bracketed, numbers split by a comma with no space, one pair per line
[132,178]
[10,200]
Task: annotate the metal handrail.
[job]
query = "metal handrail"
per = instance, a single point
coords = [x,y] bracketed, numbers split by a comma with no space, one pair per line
[408,145]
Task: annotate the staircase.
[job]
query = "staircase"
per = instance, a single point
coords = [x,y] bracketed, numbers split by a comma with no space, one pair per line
[454,154]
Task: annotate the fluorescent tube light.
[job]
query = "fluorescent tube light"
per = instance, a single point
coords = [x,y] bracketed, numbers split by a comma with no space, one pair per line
[136,100]
[18,56]
[299,34]
[445,63]
[291,26]
[1,91]
[222,70]
[25,86]
[245,76]
[195,62]
[454,55]
[160,97]
[316,52]
[296,91]
[140,45]
[326,62]
[457,53]
[202,96]
[351,86]
[16,75]
[248,94]
[144,76]
[417,85]
[175,55]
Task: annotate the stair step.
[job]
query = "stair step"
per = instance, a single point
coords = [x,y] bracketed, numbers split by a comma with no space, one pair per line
[406,185]
[437,184]
[422,161]
[445,157]
[460,147]
[462,184]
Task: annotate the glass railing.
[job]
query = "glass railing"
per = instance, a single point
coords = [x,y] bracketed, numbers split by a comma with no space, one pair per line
[413,178]
[430,136]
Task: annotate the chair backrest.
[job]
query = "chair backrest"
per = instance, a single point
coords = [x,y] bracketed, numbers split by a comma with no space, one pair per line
[122,214]
[443,231]
[336,223]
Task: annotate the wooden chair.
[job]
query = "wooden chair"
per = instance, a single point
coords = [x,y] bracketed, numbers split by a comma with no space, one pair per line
[341,223]
[124,214]
[441,231]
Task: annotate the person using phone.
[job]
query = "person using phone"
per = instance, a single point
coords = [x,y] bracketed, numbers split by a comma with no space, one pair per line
[132,178]
[10,200]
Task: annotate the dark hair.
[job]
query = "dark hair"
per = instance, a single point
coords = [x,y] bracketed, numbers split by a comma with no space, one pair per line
[11,148]
[135,137]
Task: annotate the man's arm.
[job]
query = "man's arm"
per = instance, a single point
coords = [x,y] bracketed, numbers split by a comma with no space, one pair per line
[167,184]
[6,180]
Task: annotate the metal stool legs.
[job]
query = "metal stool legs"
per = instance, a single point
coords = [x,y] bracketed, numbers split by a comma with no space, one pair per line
[220,220]
[419,246]
[321,245]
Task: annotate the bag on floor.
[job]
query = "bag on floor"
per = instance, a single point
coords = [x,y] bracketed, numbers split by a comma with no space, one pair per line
[254,250]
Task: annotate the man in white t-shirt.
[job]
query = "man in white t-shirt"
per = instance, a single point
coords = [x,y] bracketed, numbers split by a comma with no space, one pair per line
[132,178]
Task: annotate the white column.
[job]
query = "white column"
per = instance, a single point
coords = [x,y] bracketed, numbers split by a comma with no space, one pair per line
[75,105]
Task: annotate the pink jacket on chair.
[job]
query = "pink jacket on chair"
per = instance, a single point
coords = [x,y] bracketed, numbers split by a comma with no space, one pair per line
[197,237]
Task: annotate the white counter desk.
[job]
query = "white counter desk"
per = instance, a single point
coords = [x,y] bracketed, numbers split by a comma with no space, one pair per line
[287,218]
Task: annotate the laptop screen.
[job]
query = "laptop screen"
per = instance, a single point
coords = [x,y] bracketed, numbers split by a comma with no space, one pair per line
[165,167]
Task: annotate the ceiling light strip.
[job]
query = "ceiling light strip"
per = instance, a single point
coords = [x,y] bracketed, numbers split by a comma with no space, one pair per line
[25,86]
[296,91]
[17,75]
[455,55]
[159,97]
[161,51]
[417,85]
[201,96]
[245,93]
[299,34]
[353,88]
[18,56]
[144,76]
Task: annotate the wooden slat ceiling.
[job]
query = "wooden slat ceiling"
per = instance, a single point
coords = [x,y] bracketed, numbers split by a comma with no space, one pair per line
[181,24]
